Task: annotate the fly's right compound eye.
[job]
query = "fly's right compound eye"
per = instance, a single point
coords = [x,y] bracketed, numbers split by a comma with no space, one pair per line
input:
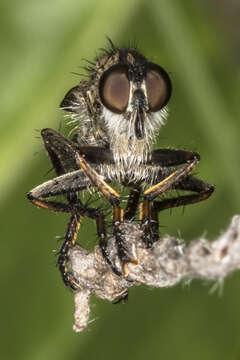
[158,86]
[115,88]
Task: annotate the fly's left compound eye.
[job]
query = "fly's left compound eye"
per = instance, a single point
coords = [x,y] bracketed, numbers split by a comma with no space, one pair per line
[159,88]
[114,88]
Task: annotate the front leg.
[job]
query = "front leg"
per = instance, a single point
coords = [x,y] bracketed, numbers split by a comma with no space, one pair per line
[118,215]
[179,179]
[148,213]
[69,181]
[171,157]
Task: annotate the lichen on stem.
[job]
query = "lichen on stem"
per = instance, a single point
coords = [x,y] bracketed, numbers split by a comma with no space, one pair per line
[165,264]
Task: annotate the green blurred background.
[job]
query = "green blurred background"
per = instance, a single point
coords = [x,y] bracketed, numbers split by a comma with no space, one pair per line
[42,42]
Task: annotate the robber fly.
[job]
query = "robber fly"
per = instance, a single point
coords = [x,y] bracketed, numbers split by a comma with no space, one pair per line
[117,114]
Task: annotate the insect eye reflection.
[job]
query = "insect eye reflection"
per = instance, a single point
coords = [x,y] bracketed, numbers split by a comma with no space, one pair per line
[115,89]
[158,85]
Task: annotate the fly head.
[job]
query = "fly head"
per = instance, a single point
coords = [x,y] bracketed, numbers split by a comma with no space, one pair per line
[123,104]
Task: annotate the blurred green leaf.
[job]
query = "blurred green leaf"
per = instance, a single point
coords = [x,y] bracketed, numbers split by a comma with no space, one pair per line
[41,43]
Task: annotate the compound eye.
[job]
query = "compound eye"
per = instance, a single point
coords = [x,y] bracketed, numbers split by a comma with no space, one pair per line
[114,88]
[159,88]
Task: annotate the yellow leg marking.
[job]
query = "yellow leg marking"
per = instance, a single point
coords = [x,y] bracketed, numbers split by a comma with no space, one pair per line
[125,266]
[144,209]
[141,211]
[95,177]
[157,186]
[121,215]
[42,205]
[76,231]
[117,213]
[125,270]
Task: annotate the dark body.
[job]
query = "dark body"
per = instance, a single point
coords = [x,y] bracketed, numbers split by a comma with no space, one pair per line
[116,115]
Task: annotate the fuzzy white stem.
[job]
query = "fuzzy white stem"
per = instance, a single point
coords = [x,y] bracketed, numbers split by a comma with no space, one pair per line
[166,263]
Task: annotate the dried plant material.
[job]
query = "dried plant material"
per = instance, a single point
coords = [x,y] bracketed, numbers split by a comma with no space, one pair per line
[82,310]
[165,264]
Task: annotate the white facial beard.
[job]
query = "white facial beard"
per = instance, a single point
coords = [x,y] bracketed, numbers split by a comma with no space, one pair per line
[130,153]
[126,148]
